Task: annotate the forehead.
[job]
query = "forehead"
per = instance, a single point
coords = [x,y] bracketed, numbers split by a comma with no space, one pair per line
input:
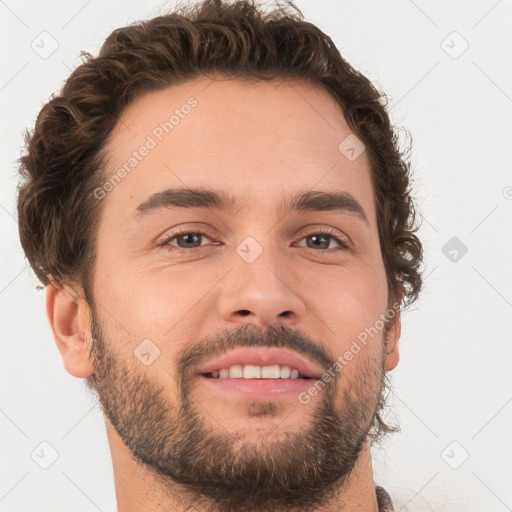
[258,140]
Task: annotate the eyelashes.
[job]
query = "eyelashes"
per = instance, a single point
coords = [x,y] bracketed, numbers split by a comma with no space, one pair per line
[166,242]
[326,233]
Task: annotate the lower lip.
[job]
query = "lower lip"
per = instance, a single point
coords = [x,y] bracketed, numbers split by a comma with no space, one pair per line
[261,388]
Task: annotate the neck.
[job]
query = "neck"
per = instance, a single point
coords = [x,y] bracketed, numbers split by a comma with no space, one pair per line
[139,489]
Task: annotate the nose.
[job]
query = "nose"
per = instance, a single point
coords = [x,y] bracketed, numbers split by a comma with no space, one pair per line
[261,292]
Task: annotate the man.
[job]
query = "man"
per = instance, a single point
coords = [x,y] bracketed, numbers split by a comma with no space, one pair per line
[221,216]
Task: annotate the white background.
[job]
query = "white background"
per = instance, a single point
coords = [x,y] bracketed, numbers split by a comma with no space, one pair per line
[453,382]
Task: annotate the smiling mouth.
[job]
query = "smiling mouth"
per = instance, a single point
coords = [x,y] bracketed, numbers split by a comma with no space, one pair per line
[250,371]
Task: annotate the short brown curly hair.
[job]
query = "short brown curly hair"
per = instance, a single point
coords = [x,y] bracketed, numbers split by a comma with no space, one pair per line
[65,159]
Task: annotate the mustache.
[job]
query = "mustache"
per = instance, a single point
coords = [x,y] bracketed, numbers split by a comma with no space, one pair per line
[249,335]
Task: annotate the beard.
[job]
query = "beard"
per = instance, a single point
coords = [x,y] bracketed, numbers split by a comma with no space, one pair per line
[291,471]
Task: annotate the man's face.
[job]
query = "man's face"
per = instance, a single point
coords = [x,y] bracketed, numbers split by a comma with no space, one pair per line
[264,286]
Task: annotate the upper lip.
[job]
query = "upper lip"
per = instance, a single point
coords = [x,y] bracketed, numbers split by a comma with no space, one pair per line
[263,357]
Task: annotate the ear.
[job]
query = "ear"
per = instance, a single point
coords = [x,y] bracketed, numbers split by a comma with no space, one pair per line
[393,339]
[69,317]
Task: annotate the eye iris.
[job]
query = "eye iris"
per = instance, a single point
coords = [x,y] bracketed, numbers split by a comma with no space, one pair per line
[324,237]
[197,236]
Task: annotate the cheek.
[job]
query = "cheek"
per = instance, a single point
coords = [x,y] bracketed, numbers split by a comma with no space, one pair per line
[163,305]
[347,301]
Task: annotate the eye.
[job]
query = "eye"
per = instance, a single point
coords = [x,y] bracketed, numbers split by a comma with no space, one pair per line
[187,241]
[321,240]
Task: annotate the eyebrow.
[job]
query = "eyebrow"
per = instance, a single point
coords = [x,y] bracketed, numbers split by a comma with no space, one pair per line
[309,201]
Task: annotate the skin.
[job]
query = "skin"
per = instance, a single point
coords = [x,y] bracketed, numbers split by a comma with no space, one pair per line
[261,142]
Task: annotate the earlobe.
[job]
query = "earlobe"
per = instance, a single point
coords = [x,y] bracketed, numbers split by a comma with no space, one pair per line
[66,313]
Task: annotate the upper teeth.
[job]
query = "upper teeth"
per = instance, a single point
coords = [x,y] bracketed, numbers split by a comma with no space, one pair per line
[250,371]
